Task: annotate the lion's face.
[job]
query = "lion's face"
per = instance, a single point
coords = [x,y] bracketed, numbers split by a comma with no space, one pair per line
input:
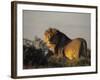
[48,35]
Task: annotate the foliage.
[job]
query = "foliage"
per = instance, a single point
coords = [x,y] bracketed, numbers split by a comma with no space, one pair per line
[37,55]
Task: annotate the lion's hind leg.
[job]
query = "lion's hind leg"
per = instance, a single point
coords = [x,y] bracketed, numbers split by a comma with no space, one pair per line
[72,50]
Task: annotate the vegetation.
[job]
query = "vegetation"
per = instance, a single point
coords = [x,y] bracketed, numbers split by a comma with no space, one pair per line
[37,55]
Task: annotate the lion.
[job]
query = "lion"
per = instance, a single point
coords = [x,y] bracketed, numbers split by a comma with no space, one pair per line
[62,46]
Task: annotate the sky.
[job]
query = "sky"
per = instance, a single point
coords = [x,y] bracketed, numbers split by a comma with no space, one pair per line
[74,25]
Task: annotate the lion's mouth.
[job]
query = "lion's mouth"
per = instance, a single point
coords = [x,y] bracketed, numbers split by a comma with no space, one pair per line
[50,46]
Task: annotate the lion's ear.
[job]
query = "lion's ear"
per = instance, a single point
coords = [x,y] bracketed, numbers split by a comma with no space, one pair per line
[53,30]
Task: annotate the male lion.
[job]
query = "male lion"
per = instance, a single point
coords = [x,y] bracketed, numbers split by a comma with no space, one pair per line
[62,46]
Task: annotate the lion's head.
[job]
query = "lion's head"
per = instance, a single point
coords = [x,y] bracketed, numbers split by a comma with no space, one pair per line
[48,35]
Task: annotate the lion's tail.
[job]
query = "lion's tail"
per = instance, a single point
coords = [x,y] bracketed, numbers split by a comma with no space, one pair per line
[83,47]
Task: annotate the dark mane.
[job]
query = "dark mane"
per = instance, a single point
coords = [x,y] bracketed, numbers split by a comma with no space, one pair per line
[60,39]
